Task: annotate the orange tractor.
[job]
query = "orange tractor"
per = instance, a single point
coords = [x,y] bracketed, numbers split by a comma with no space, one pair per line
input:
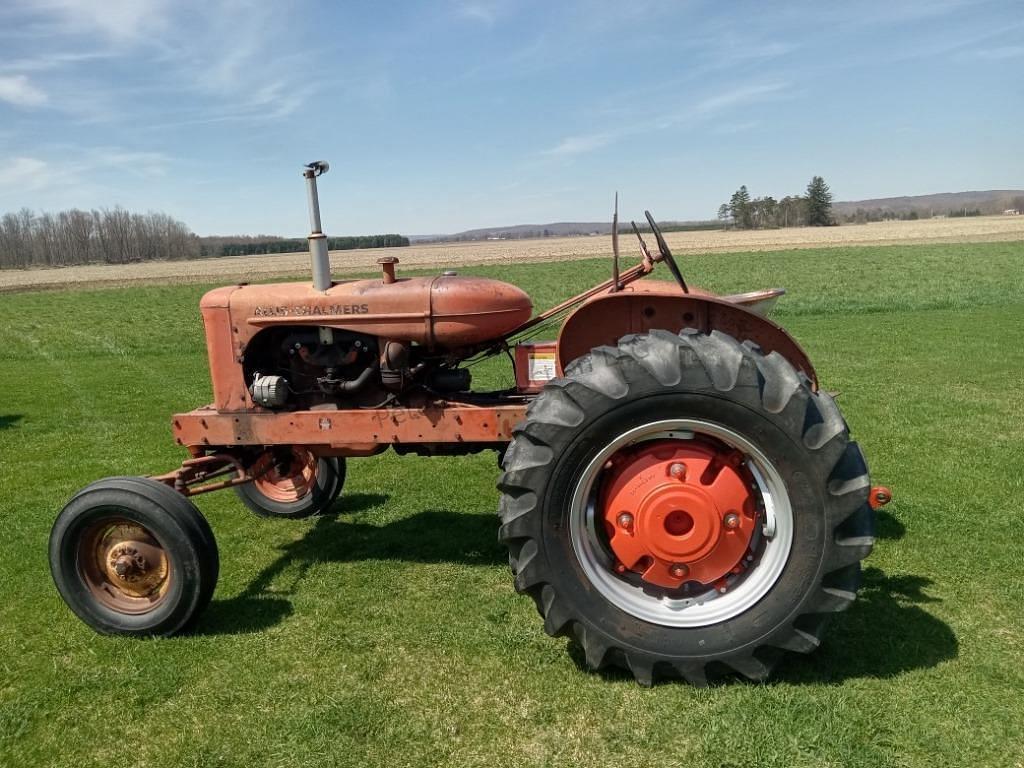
[677,493]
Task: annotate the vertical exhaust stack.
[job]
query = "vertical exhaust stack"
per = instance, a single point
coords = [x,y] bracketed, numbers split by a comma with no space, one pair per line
[317,239]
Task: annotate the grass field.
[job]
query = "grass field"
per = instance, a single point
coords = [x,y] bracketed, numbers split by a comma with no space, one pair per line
[389,633]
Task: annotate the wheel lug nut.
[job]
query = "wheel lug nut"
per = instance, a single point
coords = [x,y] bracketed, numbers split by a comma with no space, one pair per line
[731,521]
[625,520]
[679,570]
[677,470]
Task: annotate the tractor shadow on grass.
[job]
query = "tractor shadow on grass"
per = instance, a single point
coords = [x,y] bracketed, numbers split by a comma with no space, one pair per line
[885,633]
[10,420]
[431,536]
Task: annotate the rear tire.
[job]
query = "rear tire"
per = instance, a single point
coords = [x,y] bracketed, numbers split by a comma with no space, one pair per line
[282,496]
[715,387]
[130,556]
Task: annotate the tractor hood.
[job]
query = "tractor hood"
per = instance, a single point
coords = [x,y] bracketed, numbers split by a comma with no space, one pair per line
[447,311]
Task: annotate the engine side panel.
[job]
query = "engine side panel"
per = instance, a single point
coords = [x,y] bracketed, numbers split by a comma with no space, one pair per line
[447,312]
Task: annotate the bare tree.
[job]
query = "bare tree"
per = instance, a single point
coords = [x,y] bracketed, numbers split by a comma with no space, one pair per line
[113,236]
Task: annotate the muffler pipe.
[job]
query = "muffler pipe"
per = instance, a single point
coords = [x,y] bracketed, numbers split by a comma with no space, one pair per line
[317,239]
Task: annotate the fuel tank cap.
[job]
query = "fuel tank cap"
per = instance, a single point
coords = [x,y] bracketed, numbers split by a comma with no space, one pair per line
[387,266]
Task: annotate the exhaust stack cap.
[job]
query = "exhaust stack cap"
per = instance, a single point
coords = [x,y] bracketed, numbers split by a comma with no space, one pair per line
[318,167]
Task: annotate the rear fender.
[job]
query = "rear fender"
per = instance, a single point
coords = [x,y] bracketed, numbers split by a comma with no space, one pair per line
[607,318]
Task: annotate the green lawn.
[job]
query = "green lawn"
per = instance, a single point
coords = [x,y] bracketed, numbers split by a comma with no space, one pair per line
[390,633]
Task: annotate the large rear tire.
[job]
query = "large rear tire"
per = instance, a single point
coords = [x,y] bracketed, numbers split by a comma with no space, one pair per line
[130,556]
[669,574]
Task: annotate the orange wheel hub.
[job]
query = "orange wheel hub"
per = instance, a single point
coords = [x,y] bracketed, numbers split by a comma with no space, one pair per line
[678,511]
[290,480]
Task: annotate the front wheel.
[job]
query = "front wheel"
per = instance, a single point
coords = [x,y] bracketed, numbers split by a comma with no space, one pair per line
[682,500]
[130,556]
[298,484]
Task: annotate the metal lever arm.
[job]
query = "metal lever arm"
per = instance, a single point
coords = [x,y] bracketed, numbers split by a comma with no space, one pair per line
[665,254]
[616,285]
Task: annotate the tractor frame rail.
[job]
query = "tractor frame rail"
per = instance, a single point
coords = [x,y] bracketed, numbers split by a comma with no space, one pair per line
[349,432]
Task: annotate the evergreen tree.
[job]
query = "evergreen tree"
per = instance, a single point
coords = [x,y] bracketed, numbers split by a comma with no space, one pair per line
[819,203]
[739,207]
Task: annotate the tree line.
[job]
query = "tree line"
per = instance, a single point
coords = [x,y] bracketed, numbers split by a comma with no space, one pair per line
[994,207]
[864,215]
[116,236]
[247,246]
[813,209]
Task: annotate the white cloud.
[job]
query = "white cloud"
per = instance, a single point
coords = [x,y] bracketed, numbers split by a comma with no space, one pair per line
[702,110]
[731,129]
[135,162]
[46,61]
[24,173]
[575,145]
[1002,52]
[212,60]
[73,169]
[119,21]
[17,90]
[737,96]
[486,13]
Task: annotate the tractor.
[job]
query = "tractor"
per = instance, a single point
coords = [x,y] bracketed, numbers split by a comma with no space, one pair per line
[678,495]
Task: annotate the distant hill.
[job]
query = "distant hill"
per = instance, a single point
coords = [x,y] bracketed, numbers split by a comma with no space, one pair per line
[555,229]
[520,231]
[987,201]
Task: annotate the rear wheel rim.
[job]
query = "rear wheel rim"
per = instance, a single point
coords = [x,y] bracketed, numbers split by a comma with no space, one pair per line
[290,483]
[695,606]
[124,565]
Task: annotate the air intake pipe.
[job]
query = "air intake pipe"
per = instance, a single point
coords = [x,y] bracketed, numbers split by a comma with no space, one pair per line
[317,239]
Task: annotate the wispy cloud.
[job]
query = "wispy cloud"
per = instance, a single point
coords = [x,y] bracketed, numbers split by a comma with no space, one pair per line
[745,94]
[136,163]
[211,56]
[19,91]
[723,101]
[23,173]
[720,52]
[48,61]
[1002,52]
[120,21]
[731,129]
[71,169]
[575,145]
[476,10]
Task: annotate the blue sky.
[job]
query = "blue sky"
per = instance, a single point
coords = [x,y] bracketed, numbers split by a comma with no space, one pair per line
[454,114]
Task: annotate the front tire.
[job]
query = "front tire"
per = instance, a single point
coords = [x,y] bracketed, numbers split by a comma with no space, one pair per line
[669,589]
[131,556]
[300,484]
